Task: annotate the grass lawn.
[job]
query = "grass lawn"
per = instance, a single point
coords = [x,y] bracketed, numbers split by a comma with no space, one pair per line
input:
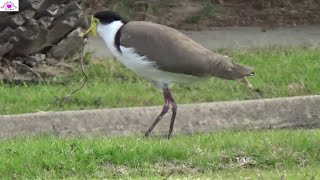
[279,72]
[267,154]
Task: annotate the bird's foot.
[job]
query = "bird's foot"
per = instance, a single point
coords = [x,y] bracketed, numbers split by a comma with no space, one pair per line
[147,134]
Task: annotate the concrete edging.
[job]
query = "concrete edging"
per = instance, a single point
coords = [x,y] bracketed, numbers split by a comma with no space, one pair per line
[287,112]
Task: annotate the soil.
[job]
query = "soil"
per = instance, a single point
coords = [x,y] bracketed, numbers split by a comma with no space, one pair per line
[19,71]
[205,14]
[269,13]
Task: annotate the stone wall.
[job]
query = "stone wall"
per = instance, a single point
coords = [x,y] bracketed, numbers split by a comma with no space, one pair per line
[42,27]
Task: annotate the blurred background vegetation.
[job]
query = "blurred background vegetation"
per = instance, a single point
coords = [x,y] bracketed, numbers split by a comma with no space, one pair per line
[204,14]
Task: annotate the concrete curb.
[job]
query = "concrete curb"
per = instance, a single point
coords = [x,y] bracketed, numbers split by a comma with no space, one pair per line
[289,112]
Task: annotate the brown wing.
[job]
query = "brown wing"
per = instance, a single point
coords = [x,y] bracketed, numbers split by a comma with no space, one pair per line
[171,50]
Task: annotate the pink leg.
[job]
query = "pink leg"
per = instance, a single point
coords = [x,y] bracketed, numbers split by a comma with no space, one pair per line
[168,100]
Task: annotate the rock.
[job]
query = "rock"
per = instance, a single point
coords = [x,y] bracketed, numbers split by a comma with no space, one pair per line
[6,34]
[33,4]
[63,26]
[84,22]
[13,39]
[42,26]
[28,14]
[3,22]
[30,41]
[77,32]
[34,60]
[16,20]
[32,24]
[67,48]
[29,62]
[5,48]
[39,57]
[48,8]
[46,21]
[50,11]
[46,4]
[72,6]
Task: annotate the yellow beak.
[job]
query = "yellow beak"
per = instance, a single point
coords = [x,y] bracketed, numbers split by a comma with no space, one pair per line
[93,27]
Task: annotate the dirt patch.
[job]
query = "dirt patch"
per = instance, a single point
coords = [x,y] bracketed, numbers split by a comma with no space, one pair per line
[204,14]
[270,13]
[20,70]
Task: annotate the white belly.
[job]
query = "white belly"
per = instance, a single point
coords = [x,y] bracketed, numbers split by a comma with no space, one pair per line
[147,68]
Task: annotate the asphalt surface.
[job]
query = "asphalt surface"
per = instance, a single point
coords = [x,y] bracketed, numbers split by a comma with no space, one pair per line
[237,37]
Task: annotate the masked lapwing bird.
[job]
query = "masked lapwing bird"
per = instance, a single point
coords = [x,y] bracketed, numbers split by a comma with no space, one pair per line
[162,55]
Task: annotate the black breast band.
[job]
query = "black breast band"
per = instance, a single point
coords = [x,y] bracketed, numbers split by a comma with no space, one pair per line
[117,40]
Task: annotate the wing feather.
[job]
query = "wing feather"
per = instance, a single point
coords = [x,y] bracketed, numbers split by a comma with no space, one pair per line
[171,50]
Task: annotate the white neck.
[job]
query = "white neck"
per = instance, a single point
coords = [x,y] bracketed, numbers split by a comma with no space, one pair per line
[108,33]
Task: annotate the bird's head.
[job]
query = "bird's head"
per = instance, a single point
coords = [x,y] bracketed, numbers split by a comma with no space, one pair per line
[102,17]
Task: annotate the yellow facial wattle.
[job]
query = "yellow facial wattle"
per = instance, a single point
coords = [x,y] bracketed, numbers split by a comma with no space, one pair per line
[93,27]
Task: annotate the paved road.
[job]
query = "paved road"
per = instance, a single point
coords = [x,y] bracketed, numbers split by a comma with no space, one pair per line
[239,37]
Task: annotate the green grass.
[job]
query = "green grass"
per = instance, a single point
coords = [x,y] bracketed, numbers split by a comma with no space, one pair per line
[271,153]
[279,72]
